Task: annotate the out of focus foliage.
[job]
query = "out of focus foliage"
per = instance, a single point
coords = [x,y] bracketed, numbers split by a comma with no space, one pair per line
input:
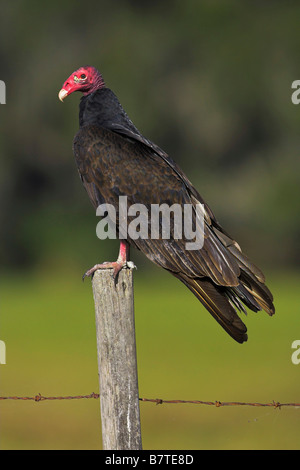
[210,82]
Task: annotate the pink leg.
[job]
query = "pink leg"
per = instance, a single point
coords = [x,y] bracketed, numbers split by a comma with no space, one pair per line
[116,265]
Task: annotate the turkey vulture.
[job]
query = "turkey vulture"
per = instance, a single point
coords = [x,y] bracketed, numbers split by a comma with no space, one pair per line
[114,159]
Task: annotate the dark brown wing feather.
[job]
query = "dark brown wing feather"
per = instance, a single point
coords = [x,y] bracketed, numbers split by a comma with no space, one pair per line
[115,163]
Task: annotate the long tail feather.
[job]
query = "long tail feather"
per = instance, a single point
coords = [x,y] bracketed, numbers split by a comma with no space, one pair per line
[217,304]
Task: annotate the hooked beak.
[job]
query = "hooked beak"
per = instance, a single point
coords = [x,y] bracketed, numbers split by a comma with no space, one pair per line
[62,94]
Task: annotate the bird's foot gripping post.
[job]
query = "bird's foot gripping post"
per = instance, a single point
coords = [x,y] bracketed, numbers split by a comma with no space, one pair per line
[117,363]
[122,262]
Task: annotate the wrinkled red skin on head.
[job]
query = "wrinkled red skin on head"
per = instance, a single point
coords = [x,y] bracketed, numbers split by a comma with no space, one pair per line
[92,82]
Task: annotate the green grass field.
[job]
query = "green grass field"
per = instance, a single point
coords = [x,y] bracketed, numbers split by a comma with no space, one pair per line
[47,323]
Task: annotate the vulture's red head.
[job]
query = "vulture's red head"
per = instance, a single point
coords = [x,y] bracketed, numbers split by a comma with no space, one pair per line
[86,79]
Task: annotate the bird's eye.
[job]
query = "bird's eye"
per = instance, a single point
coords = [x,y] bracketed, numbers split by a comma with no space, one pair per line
[80,79]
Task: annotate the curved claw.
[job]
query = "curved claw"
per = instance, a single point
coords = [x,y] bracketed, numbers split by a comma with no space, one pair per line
[115,265]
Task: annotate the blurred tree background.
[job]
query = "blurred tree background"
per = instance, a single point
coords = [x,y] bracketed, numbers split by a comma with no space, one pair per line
[210,83]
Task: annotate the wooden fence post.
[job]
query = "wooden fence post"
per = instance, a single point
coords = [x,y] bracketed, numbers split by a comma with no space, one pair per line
[117,363]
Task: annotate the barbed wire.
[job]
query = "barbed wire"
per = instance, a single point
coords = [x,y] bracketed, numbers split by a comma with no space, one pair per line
[158,401]
[40,397]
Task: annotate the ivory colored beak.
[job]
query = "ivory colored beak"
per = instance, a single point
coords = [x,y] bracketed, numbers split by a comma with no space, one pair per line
[62,94]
